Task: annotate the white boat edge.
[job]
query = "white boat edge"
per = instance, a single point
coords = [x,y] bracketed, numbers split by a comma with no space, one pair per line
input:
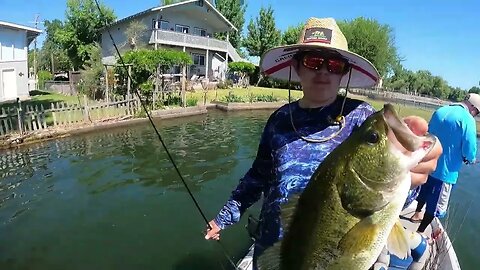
[450,262]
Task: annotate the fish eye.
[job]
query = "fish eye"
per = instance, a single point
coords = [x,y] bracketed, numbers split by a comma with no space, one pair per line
[373,137]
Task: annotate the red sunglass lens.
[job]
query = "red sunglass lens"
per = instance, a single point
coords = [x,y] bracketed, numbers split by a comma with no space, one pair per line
[336,66]
[313,62]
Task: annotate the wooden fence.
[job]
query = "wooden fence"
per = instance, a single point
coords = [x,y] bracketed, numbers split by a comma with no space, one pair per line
[28,118]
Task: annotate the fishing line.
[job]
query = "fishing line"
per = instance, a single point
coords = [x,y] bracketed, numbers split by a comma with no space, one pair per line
[160,137]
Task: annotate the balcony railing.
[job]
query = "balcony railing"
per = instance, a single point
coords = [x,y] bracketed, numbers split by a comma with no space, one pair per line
[187,40]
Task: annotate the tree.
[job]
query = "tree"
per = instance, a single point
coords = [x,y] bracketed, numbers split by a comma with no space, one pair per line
[134,33]
[91,73]
[262,33]
[475,90]
[234,11]
[81,29]
[456,94]
[373,40]
[169,2]
[244,69]
[423,82]
[53,56]
[292,34]
[440,87]
[145,63]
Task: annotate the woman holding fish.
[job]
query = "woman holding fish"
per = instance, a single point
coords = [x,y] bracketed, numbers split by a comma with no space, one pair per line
[334,173]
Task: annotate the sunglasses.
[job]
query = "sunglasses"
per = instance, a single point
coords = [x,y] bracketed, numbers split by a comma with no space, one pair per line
[335,65]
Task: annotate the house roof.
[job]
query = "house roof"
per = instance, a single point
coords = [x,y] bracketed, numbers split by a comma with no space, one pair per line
[32,33]
[161,8]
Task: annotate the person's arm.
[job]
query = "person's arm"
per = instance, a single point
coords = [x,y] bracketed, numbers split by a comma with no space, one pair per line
[469,140]
[251,186]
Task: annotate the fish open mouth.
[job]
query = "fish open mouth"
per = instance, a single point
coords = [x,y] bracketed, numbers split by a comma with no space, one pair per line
[403,138]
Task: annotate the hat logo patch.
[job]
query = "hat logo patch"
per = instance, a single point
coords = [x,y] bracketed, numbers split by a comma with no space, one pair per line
[323,35]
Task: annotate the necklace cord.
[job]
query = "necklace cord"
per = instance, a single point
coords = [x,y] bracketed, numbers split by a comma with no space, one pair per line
[339,120]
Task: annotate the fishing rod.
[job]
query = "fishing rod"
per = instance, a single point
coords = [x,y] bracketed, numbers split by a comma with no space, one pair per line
[137,93]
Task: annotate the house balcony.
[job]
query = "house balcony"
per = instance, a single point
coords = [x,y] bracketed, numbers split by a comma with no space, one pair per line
[188,40]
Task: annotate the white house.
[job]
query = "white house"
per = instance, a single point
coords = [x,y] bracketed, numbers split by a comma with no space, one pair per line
[188,26]
[14,42]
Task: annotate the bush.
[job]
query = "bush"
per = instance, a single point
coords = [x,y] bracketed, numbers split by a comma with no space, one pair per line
[140,113]
[172,100]
[225,84]
[243,67]
[232,98]
[43,76]
[265,98]
[145,63]
[275,83]
[192,101]
[147,87]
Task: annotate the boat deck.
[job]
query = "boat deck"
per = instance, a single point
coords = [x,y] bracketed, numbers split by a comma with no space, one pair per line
[442,255]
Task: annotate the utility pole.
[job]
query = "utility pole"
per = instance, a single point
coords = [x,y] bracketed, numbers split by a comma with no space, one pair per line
[53,65]
[37,16]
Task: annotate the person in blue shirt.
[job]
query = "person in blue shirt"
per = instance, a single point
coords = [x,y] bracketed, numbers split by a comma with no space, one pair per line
[298,136]
[455,127]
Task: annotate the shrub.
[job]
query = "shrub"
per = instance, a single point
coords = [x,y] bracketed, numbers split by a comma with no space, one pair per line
[172,100]
[242,67]
[43,76]
[265,98]
[192,101]
[225,84]
[232,98]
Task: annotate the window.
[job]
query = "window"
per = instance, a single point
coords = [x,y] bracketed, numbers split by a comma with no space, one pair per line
[198,59]
[161,24]
[199,32]
[181,28]
[164,25]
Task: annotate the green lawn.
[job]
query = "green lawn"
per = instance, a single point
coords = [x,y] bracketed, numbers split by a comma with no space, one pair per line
[48,97]
[45,98]
[403,110]
[39,98]
[219,94]
[282,95]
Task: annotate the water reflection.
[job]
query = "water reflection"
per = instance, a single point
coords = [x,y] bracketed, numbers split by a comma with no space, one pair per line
[84,202]
[90,201]
[24,178]
[137,157]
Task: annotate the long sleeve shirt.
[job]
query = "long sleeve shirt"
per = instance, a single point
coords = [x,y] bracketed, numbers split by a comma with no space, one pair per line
[285,163]
[456,129]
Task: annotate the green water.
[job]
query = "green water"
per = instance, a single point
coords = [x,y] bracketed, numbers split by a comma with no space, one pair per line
[112,200]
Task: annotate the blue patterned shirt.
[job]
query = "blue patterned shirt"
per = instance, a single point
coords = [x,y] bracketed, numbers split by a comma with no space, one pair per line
[285,163]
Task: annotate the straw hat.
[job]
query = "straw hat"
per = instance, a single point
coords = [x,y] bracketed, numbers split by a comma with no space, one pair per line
[474,99]
[319,34]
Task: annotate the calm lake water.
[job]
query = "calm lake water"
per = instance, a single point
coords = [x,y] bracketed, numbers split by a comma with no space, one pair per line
[112,200]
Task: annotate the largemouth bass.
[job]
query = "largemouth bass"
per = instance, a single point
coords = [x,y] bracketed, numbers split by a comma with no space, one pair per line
[349,211]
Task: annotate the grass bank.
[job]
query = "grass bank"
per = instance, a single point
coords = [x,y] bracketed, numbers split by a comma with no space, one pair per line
[282,95]
[239,95]
[278,95]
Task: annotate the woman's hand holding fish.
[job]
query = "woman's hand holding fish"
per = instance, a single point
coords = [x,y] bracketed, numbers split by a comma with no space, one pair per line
[420,173]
